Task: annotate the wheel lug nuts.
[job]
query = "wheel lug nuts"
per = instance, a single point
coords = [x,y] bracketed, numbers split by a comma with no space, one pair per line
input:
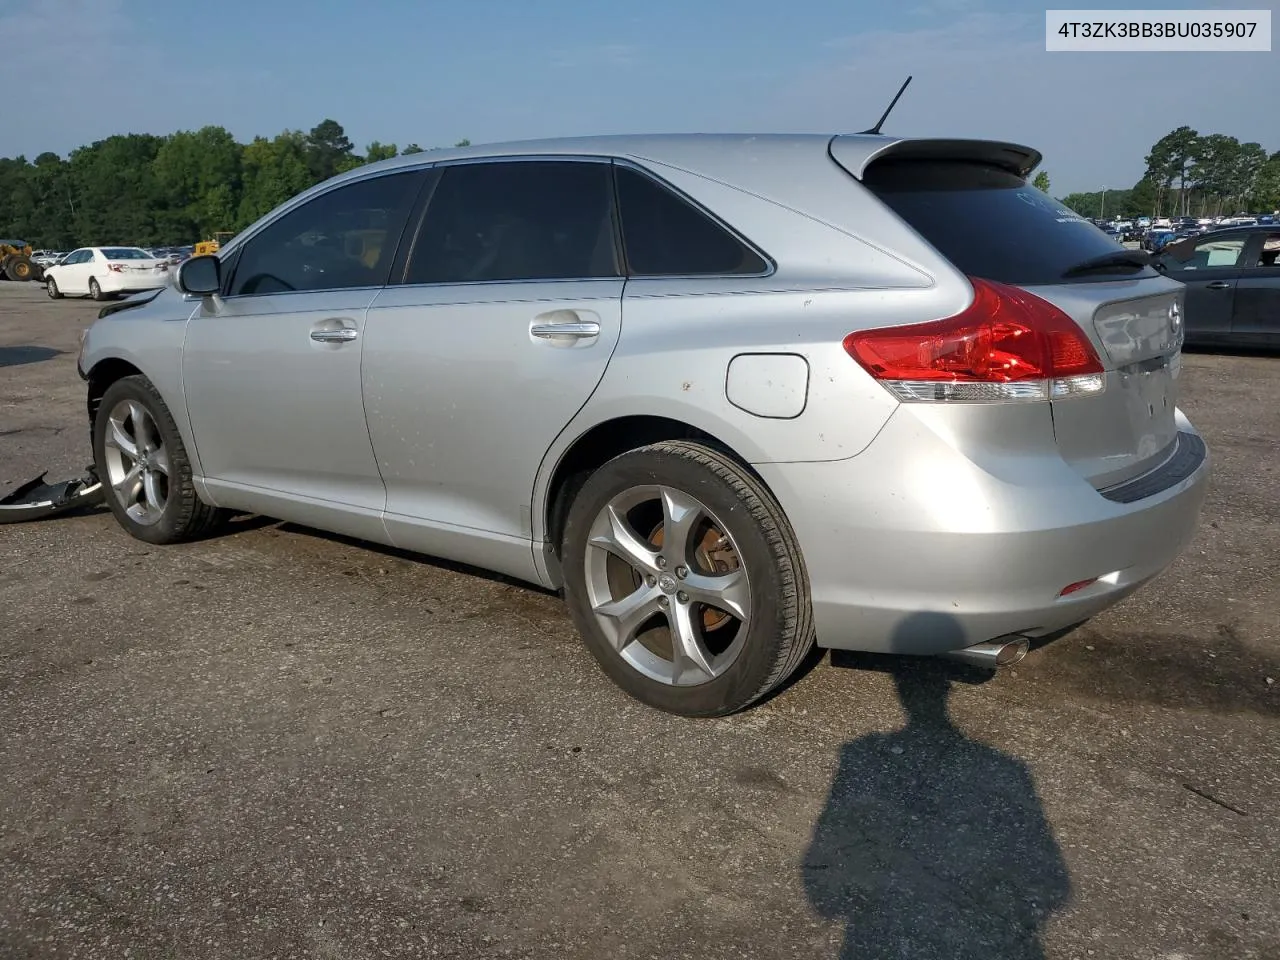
[662,563]
[682,597]
[663,602]
[682,572]
[651,580]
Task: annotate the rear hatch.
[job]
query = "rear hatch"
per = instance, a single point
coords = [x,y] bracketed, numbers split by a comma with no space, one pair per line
[980,214]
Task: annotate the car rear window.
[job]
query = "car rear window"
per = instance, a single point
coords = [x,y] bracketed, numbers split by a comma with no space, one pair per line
[989,222]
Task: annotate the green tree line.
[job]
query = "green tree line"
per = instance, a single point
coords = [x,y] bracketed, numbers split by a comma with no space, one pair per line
[1193,175]
[144,189]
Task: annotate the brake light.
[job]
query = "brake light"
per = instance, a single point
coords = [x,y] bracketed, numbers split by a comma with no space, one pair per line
[116,267]
[1007,345]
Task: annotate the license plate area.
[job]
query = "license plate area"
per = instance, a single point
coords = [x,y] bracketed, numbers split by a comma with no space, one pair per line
[1149,389]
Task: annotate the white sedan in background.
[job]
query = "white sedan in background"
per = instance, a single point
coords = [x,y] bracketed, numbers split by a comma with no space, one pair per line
[104,272]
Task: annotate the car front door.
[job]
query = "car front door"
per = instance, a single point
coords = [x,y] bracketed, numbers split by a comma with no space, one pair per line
[272,368]
[1256,320]
[73,273]
[1209,271]
[500,329]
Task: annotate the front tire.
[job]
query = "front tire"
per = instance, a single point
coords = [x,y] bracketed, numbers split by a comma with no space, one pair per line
[95,291]
[685,580]
[143,463]
[19,268]
[51,288]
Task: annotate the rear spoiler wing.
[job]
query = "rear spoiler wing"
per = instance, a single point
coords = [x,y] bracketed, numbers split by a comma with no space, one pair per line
[856,152]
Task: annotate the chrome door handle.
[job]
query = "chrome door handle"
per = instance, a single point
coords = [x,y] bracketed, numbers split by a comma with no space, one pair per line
[1217,285]
[577,330]
[341,335]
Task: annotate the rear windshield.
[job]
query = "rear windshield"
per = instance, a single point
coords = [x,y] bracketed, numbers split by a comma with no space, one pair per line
[990,223]
[126,253]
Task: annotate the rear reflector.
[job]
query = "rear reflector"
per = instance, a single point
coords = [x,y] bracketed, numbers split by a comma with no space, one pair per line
[1008,344]
[1078,585]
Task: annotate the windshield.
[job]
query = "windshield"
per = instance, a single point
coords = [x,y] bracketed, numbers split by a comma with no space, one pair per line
[989,222]
[126,253]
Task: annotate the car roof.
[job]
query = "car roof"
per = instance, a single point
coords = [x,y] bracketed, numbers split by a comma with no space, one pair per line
[703,152]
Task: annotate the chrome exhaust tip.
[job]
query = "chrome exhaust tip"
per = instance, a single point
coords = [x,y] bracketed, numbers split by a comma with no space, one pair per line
[992,654]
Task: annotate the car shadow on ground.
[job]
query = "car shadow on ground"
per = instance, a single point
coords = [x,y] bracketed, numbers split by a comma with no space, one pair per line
[20,355]
[932,844]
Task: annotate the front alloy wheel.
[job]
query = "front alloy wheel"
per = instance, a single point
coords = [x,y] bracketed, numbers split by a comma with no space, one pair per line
[137,462]
[144,465]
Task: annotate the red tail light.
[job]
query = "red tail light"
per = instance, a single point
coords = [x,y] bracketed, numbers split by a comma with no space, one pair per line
[116,267]
[1007,345]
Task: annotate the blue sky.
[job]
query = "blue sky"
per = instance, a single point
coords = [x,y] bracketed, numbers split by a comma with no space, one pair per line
[401,71]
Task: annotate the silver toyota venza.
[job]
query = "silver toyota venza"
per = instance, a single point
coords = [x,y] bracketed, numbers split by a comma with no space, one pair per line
[734,396]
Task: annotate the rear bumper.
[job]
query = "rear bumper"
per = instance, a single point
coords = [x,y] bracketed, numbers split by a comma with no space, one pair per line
[913,547]
[118,283]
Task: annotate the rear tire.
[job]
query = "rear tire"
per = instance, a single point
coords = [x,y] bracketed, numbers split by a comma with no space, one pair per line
[647,621]
[143,464]
[95,291]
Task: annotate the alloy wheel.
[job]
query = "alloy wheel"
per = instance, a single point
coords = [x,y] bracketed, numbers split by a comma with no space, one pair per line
[667,585]
[137,462]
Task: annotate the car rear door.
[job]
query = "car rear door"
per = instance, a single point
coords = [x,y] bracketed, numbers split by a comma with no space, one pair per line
[1209,269]
[509,308]
[271,369]
[1256,319]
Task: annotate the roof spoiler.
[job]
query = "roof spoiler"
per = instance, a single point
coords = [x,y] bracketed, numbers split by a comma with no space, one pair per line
[856,152]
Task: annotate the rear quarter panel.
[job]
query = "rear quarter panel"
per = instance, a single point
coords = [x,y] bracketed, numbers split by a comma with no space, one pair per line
[679,335]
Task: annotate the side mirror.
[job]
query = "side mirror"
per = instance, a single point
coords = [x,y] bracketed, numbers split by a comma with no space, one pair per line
[200,276]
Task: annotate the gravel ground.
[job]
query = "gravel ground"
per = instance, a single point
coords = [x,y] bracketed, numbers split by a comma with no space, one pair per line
[283,744]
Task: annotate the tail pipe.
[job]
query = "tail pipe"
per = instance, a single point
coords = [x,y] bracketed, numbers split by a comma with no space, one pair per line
[992,654]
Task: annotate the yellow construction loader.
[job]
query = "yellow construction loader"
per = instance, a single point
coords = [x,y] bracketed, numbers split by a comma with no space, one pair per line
[16,262]
[205,247]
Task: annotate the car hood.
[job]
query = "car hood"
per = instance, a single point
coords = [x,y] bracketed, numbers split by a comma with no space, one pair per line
[165,302]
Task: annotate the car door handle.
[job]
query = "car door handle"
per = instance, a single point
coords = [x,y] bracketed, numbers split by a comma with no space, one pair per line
[574,330]
[341,335]
[1217,285]
[335,330]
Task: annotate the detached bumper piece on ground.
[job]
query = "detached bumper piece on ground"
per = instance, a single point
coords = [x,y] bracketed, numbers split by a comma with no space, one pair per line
[37,500]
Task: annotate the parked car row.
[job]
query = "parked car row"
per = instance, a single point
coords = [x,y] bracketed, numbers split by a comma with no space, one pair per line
[171,255]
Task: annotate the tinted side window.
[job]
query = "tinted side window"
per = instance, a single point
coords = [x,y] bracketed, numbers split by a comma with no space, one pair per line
[517,220]
[1269,254]
[990,223]
[1208,254]
[666,236]
[341,239]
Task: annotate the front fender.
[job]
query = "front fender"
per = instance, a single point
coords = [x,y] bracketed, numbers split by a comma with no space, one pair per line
[149,338]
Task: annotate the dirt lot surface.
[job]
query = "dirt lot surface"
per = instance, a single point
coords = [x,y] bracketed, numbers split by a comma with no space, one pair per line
[280,744]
